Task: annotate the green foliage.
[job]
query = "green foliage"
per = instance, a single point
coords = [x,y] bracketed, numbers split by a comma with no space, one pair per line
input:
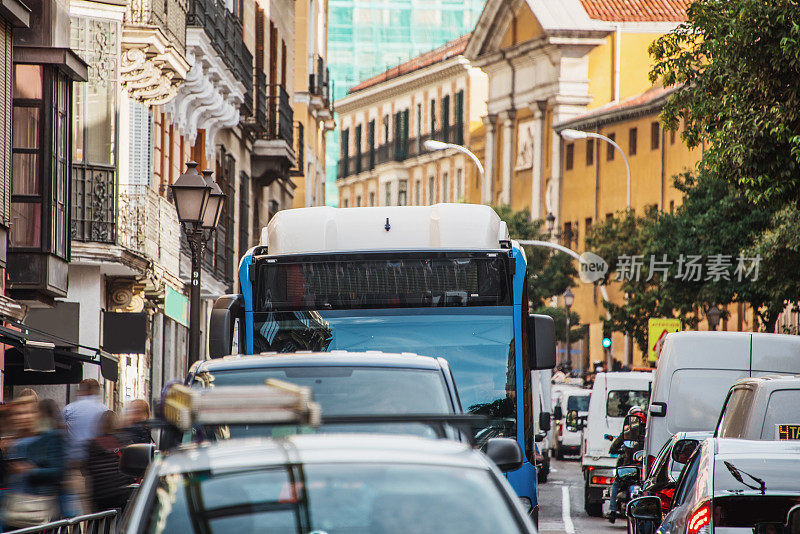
[576,330]
[549,273]
[739,63]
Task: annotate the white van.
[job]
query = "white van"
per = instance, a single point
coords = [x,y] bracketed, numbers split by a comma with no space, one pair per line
[695,371]
[612,396]
[567,398]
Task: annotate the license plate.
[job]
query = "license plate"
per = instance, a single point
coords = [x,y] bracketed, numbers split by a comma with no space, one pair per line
[788,432]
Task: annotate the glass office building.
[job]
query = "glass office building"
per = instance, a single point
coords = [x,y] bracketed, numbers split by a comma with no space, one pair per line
[366,37]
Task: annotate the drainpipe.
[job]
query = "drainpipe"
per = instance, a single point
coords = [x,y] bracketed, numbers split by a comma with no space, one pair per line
[617,59]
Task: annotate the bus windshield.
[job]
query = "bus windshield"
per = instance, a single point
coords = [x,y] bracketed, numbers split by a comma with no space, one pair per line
[478,342]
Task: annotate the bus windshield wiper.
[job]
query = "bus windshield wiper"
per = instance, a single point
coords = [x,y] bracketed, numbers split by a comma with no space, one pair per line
[737,474]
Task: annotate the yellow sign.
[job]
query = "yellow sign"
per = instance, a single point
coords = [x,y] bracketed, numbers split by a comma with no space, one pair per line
[788,432]
[657,330]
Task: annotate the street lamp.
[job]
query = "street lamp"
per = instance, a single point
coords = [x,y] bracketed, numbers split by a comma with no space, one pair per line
[576,135]
[433,145]
[713,316]
[569,298]
[198,201]
[550,222]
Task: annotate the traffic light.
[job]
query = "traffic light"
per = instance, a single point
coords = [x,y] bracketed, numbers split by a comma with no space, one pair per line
[606,336]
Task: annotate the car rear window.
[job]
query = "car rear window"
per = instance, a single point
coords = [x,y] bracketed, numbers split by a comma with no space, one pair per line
[781,410]
[779,474]
[579,403]
[735,412]
[619,401]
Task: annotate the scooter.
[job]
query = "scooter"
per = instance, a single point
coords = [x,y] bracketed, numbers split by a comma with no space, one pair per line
[629,481]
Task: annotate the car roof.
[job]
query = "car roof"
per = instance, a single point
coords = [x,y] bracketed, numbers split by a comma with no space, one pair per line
[321,448]
[771,382]
[699,435]
[741,448]
[627,377]
[333,358]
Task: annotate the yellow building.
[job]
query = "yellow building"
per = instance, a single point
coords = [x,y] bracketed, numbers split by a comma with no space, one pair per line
[313,111]
[548,62]
[386,120]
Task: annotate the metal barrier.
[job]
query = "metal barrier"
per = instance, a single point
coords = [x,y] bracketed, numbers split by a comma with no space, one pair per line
[99,523]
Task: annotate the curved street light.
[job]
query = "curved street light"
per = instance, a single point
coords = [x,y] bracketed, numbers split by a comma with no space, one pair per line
[577,135]
[433,145]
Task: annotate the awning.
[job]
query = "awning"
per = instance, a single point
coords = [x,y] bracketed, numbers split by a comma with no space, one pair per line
[37,358]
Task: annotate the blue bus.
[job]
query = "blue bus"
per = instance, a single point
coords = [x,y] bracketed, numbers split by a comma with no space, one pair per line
[442,280]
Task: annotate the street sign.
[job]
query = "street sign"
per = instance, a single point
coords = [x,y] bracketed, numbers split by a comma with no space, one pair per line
[657,329]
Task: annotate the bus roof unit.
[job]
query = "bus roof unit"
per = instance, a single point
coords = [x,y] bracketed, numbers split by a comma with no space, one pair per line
[441,226]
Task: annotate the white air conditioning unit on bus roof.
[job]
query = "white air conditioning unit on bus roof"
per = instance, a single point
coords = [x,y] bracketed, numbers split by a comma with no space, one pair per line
[441,226]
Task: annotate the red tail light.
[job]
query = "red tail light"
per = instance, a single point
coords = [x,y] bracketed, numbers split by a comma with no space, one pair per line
[666,498]
[650,460]
[605,481]
[700,520]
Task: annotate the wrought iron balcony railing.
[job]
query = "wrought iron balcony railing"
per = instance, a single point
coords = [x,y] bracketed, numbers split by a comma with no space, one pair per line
[148,225]
[299,151]
[225,32]
[168,15]
[281,116]
[94,204]
[319,81]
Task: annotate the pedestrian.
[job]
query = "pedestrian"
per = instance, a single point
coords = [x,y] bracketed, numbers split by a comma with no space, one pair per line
[109,488]
[53,424]
[35,467]
[137,429]
[81,419]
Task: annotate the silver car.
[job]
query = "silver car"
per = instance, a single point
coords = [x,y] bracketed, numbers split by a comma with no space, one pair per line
[728,486]
[329,483]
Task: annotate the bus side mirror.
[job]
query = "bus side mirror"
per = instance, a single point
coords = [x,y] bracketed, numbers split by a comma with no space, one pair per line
[541,342]
[134,459]
[505,453]
[222,327]
[544,421]
[558,414]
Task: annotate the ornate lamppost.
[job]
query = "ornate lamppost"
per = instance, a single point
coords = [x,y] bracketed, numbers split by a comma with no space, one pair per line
[198,200]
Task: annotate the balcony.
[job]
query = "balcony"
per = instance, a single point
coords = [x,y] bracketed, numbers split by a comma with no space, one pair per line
[94,206]
[148,226]
[274,152]
[320,89]
[397,150]
[153,63]
[224,31]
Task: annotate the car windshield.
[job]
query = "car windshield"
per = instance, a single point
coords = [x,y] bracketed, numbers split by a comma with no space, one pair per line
[332,498]
[345,390]
[578,403]
[621,400]
[478,343]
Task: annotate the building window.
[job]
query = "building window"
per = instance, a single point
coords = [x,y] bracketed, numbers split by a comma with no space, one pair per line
[590,152]
[672,137]
[40,159]
[388,193]
[244,208]
[445,134]
[610,148]
[445,188]
[402,193]
[419,121]
[431,189]
[609,216]
[587,225]
[371,143]
[372,198]
[357,142]
[570,157]
[655,135]
[433,117]
[386,129]
[345,202]
[458,112]
[459,185]
[672,206]
[418,193]
[633,134]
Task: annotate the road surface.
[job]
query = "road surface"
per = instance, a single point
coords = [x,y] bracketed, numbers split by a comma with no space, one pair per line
[561,503]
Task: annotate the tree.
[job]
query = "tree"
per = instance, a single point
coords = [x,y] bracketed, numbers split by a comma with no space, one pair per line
[738,65]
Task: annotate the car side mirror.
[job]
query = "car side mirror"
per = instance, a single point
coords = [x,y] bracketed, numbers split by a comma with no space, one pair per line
[222,328]
[541,332]
[645,509]
[505,453]
[638,456]
[627,473]
[544,421]
[135,458]
[558,415]
[539,437]
[683,449]
[793,520]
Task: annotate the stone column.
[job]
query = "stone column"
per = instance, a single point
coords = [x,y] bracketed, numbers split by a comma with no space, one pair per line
[537,168]
[507,167]
[489,121]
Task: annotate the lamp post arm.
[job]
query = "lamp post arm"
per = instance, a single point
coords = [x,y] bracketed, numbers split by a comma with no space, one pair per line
[472,156]
[624,158]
